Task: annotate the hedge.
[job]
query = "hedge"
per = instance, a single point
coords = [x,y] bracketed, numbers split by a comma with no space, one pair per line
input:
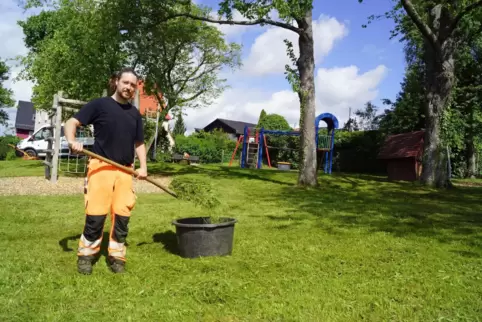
[7,152]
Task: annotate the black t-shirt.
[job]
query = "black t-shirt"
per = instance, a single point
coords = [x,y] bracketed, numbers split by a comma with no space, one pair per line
[117,127]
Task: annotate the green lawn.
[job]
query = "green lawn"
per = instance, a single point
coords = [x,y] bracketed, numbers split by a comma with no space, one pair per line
[357,248]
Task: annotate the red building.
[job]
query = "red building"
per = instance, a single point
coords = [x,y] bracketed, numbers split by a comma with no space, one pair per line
[402,154]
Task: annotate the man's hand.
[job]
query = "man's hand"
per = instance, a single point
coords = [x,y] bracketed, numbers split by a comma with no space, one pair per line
[76,147]
[141,173]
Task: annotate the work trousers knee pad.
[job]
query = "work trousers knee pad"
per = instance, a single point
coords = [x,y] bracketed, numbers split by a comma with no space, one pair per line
[118,235]
[91,238]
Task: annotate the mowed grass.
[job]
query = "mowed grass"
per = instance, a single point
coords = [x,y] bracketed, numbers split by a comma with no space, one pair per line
[356,248]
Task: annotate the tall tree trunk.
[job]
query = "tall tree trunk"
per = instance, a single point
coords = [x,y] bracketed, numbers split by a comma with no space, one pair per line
[439,63]
[470,143]
[306,67]
[471,158]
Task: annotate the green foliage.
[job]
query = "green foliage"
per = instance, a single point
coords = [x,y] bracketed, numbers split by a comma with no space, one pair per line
[357,151]
[7,152]
[179,127]
[262,115]
[6,95]
[198,191]
[181,57]
[78,55]
[40,27]
[292,73]
[406,113]
[207,146]
[80,45]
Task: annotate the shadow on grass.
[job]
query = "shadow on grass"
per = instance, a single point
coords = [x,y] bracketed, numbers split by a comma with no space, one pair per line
[221,172]
[399,209]
[168,239]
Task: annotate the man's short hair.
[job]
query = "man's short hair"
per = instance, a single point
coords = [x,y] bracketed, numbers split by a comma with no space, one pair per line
[127,70]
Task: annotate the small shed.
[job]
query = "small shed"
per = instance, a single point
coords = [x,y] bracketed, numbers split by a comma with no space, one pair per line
[402,154]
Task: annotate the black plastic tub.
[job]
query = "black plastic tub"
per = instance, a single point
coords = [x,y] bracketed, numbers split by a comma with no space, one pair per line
[197,237]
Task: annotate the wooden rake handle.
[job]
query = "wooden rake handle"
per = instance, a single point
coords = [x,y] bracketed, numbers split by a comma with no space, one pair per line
[128,170]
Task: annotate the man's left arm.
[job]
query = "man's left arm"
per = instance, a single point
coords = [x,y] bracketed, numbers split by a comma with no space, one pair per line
[141,149]
[142,155]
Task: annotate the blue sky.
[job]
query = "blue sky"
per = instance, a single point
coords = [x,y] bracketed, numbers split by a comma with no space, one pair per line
[354,64]
[364,47]
[342,83]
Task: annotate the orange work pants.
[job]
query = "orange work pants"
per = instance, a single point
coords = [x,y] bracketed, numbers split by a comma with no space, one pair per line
[107,189]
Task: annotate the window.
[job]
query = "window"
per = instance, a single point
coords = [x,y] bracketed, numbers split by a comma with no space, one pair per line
[42,134]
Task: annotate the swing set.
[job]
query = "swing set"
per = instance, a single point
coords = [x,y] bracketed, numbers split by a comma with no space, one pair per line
[256,145]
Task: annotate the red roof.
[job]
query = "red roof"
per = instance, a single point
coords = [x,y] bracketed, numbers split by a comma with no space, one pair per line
[403,145]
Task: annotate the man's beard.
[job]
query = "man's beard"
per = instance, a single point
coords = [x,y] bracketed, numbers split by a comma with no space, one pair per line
[126,94]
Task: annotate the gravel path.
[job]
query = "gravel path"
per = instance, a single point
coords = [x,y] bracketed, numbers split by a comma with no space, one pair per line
[65,186]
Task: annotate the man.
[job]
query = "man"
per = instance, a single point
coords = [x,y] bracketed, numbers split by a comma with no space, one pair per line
[118,131]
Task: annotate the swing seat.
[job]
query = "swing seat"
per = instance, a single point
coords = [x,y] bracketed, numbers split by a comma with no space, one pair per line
[285,166]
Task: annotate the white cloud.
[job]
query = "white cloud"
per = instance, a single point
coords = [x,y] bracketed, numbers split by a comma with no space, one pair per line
[268,54]
[341,86]
[12,114]
[337,89]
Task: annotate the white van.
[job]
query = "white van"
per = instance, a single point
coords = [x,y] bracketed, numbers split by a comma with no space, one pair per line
[36,144]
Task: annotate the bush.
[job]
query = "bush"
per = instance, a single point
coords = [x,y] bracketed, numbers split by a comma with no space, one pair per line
[207,146]
[357,151]
[6,151]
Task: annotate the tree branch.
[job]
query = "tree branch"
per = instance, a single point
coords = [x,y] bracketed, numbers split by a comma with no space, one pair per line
[185,81]
[417,20]
[192,97]
[464,12]
[242,23]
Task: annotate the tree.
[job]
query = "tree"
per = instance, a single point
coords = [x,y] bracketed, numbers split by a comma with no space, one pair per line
[467,118]
[77,54]
[262,115]
[439,23]
[296,16]
[407,111]
[179,127]
[368,117]
[80,45]
[351,125]
[6,95]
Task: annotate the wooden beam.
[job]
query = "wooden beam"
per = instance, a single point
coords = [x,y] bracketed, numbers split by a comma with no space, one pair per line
[58,123]
[70,101]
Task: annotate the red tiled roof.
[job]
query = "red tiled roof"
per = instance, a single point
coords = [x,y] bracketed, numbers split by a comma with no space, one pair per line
[403,145]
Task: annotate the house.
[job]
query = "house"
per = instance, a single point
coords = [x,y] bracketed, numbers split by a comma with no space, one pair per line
[147,103]
[402,155]
[25,119]
[233,128]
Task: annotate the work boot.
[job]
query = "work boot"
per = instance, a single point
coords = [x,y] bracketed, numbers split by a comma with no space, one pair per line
[117,265]
[84,264]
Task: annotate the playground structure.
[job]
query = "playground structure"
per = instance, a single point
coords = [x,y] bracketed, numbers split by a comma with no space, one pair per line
[256,145]
[57,142]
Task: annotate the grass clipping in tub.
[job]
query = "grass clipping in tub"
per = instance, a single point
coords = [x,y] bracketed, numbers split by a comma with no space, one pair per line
[201,193]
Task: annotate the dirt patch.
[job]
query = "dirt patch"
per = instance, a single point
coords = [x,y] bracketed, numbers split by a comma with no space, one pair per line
[65,186]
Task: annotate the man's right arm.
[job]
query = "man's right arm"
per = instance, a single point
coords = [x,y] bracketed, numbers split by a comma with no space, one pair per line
[70,128]
[86,115]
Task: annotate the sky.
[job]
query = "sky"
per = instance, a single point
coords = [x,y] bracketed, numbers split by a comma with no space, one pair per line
[353,64]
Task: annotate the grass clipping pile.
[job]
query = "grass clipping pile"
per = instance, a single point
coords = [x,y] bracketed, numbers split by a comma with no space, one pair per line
[201,193]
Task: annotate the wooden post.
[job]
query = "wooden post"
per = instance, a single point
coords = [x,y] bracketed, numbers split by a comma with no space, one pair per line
[58,125]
